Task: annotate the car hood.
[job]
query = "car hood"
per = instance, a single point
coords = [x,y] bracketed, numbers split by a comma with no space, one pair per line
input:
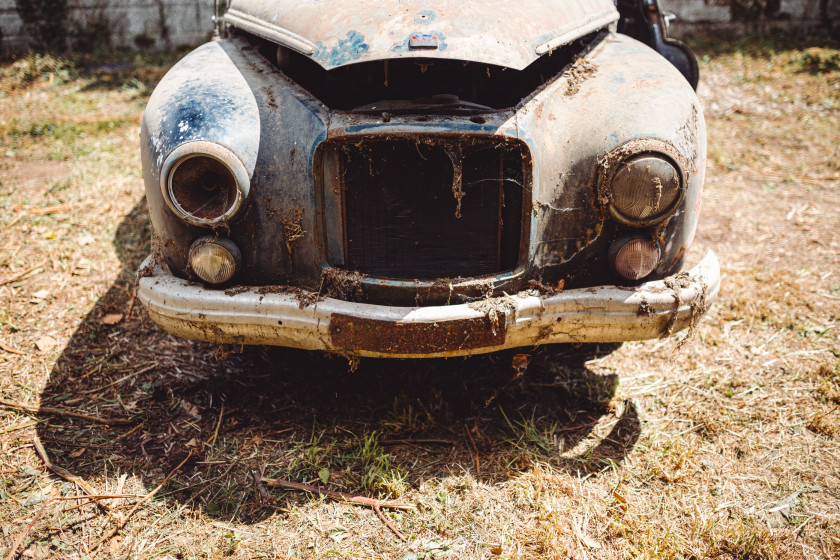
[339,32]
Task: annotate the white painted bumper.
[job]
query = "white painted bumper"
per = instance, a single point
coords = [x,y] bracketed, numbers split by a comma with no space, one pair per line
[599,314]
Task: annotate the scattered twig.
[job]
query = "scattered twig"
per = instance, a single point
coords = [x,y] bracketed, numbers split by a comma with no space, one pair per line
[131,431]
[70,477]
[121,523]
[20,426]
[796,531]
[43,211]
[11,350]
[472,441]
[263,493]
[93,499]
[805,178]
[388,523]
[97,497]
[218,425]
[120,380]
[46,210]
[20,275]
[343,496]
[20,539]
[205,483]
[416,441]
[16,220]
[131,303]
[63,412]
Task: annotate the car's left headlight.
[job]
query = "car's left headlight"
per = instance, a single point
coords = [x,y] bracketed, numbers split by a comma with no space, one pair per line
[204,183]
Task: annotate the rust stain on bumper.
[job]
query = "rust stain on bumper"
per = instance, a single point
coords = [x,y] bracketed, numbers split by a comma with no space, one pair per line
[388,337]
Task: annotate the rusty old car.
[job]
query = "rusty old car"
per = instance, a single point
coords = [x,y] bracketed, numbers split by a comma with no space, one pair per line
[427,179]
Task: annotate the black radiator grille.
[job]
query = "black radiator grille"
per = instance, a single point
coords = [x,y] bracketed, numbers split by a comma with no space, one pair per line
[407,215]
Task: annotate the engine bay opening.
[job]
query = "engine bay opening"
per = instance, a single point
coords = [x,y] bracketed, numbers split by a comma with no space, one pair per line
[421,85]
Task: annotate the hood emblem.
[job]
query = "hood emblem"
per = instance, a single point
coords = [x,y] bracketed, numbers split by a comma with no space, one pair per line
[423,41]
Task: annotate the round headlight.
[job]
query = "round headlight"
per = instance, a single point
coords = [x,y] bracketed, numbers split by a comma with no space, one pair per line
[635,258]
[645,189]
[204,183]
[214,260]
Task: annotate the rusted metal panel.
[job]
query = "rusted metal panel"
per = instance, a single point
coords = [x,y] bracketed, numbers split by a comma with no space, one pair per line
[244,105]
[387,337]
[192,104]
[335,32]
[595,108]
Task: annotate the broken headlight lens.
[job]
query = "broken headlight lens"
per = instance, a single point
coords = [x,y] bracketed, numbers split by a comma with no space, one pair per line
[204,183]
[214,260]
[645,189]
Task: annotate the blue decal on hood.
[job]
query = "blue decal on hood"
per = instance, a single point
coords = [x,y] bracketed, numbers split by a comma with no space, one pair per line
[424,17]
[348,49]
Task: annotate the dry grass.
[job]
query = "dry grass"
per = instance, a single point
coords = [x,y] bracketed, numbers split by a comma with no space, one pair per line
[728,447]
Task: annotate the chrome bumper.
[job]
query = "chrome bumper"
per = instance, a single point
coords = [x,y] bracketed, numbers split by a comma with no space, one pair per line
[599,314]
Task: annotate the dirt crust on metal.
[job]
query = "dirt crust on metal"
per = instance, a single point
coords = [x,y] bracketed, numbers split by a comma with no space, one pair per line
[387,337]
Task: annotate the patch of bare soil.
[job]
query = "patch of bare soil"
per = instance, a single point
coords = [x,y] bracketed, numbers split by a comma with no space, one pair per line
[725,444]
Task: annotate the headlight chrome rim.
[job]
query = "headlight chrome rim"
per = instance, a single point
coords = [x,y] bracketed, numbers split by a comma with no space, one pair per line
[220,154]
[639,149]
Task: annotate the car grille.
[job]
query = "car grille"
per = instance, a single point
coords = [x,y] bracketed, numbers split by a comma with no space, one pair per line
[428,207]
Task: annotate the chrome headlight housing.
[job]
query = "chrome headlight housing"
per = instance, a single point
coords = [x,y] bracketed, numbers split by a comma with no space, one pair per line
[641,185]
[204,183]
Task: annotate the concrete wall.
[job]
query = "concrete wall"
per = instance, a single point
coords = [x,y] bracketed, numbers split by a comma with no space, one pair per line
[696,16]
[187,22]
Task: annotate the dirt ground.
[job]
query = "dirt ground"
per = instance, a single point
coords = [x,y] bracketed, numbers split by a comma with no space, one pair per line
[727,446]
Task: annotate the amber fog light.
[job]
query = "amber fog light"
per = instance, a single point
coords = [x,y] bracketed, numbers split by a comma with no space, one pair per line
[634,258]
[214,260]
[645,189]
[204,183]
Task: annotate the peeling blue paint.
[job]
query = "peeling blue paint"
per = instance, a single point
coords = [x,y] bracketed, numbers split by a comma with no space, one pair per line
[425,17]
[441,40]
[349,49]
[321,137]
[616,79]
[544,38]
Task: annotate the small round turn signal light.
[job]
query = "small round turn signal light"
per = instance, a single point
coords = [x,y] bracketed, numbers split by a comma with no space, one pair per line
[635,258]
[214,260]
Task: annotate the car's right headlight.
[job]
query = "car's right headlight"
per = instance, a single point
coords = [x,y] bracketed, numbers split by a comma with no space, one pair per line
[645,189]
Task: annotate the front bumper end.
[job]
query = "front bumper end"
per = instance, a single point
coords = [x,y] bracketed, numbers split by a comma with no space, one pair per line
[291,318]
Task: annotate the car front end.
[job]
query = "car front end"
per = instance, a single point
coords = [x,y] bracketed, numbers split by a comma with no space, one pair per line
[420,188]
